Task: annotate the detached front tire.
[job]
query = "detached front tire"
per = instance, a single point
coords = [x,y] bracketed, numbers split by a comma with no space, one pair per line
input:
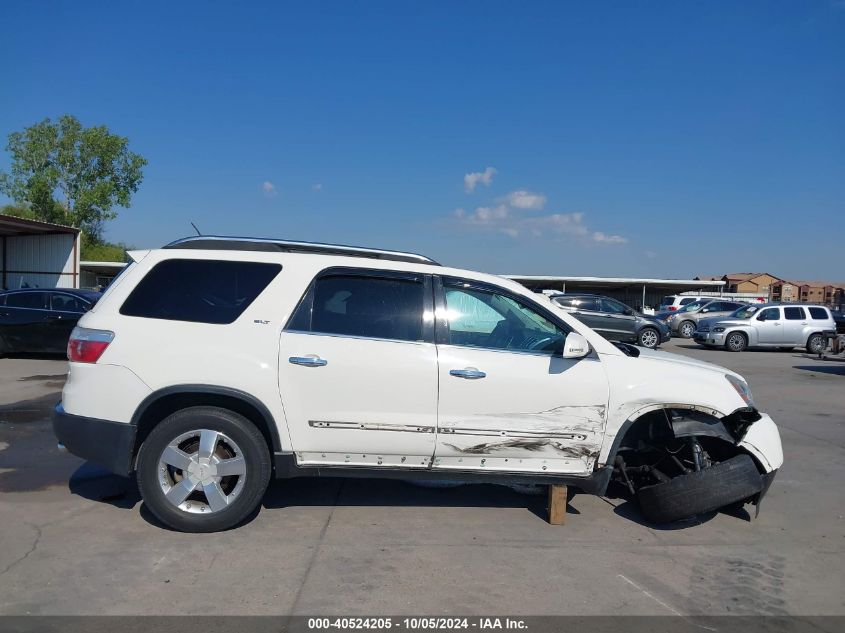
[203,469]
[728,482]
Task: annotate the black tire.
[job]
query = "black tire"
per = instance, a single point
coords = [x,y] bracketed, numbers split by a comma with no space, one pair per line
[253,448]
[722,484]
[648,338]
[736,342]
[686,329]
[817,343]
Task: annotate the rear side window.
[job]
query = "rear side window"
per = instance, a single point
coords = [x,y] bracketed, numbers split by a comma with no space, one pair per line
[794,314]
[32,300]
[199,290]
[818,313]
[687,300]
[369,307]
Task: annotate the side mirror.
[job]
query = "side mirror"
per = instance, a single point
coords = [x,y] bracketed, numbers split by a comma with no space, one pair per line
[575,346]
[629,312]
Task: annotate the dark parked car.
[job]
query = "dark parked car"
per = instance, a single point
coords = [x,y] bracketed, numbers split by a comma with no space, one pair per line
[839,319]
[614,320]
[38,320]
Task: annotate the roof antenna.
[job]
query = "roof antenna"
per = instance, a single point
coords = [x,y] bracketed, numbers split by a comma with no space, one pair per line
[196,229]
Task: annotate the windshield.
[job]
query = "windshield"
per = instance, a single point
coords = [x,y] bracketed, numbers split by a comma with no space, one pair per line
[745,312]
[695,305]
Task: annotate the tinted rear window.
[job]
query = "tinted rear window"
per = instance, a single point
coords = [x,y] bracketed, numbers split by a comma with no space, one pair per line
[198,290]
[794,314]
[370,307]
[32,300]
[818,313]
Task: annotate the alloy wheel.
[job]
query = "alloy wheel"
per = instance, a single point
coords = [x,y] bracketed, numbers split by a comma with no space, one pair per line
[202,471]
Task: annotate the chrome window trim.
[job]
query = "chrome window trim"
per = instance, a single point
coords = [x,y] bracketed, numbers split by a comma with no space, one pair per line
[502,351]
[358,338]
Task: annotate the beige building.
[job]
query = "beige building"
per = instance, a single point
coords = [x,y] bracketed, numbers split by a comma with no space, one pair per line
[756,283]
[826,292]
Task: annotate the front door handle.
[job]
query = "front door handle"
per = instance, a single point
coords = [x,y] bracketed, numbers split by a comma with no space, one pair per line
[308,361]
[470,373]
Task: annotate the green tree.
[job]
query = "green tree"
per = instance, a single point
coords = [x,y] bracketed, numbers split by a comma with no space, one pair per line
[65,173]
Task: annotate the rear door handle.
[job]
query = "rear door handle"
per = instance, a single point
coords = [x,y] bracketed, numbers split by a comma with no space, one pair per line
[470,373]
[308,361]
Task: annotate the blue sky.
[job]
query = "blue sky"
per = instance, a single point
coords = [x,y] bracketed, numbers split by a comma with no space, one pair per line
[592,138]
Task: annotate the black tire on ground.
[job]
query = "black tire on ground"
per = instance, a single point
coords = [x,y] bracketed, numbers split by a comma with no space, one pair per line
[736,342]
[648,337]
[817,343]
[243,433]
[686,329]
[722,484]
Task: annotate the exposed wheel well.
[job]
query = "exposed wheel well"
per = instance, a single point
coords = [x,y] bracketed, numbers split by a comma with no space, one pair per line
[157,408]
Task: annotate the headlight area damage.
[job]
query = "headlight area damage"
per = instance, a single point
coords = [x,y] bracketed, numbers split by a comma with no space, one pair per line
[680,463]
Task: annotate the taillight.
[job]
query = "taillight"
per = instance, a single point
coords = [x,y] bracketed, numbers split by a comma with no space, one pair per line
[672,308]
[87,345]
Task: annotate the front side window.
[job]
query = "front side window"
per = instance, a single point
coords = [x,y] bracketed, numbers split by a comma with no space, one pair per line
[686,301]
[365,306]
[794,314]
[67,303]
[199,290]
[479,318]
[769,314]
[31,300]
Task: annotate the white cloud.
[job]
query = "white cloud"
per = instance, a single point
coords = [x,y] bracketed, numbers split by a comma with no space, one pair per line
[484,177]
[598,236]
[317,187]
[268,188]
[526,200]
[514,223]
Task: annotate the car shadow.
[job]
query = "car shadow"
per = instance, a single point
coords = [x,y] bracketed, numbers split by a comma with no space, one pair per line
[97,484]
[94,483]
[328,491]
[834,370]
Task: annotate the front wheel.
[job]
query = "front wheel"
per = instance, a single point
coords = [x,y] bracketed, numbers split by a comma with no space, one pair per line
[736,342]
[649,337]
[817,343]
[686,329]
[203,469]
[731,481]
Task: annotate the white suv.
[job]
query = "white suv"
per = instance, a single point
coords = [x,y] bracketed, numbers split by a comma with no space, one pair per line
[215,363]
[770,325]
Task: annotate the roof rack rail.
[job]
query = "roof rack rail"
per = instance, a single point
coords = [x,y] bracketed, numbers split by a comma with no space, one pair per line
[225,243]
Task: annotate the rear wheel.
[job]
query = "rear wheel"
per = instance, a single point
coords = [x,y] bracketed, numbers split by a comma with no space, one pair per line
[736,342]
[203,469]
[817,343]
[686,329]
[649,337]
[728,482]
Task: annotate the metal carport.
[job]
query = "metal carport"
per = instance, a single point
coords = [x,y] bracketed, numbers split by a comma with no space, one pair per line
[36,254]
[635,292]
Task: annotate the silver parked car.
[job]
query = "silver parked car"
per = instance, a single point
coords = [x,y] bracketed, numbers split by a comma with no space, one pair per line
[770,325]
[685,321]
